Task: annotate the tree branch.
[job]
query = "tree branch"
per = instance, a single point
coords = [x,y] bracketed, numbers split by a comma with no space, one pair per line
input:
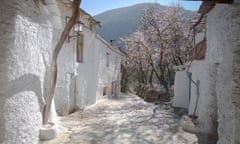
[64,35]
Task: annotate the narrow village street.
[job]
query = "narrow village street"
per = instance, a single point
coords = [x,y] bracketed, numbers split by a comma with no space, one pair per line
[127,120]
[69,68]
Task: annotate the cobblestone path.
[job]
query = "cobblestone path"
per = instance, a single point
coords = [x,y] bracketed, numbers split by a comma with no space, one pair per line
[127,120]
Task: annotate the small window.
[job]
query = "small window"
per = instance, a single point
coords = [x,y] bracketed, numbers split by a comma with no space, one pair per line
[80,45]
[107,59]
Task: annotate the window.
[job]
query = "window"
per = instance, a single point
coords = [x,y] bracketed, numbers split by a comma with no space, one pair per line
[107,60]
[80,45]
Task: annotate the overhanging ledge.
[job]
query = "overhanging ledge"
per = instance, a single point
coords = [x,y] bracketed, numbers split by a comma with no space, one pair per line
[215,1]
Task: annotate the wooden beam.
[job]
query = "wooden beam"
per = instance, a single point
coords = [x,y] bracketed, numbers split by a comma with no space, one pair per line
[220,1]
[215,1]
[206,7]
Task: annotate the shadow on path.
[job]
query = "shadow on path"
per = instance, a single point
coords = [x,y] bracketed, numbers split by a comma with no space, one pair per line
[129,120]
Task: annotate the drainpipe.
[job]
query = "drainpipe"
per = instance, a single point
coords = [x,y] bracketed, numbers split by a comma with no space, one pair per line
[75,93]
[189,74]
[197,84]
[198,93]
[194,43]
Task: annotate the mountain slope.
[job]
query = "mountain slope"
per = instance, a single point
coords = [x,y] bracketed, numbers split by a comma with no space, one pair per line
[122,22]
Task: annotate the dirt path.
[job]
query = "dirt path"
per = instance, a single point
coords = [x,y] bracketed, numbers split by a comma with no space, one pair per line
[128,120]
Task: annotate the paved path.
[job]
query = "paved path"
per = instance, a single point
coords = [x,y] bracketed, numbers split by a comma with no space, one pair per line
[128,120]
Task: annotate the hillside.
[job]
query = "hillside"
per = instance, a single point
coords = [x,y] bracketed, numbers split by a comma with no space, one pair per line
[122,22]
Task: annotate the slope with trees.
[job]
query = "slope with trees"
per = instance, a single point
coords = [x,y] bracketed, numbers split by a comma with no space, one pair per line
[159,44]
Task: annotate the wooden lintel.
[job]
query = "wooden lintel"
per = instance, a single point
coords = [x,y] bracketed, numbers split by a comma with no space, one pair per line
[206,7]
[220,1]
[215,1]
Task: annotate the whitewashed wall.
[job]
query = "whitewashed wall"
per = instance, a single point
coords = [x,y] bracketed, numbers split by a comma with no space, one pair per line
[107,74]
[66,62]
[181,90]
[80,84]
[26,38]
[205,101]
[93,73]
[86,82]
[202,103]
[223,33]
[199,73]
[219,89]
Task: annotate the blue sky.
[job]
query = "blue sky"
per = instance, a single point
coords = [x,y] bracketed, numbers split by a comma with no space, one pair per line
[94,7]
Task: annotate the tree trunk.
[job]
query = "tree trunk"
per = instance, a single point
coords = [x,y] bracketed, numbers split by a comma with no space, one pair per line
[162,70]
[125,82]
[154,69]
[180,60]
[64,35]
[169,75]
[151,79]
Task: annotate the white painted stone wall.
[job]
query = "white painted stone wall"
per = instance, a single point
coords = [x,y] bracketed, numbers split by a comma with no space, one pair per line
[107,74]
[205,101]
[199,73]
[86,83]
[181,82]
[66,61]
[223,46]
[25,44]
[219,76]
[94,74]
[181,90]
[81,84]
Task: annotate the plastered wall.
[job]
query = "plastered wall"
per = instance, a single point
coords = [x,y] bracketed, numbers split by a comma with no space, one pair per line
[25,44]
[223,50]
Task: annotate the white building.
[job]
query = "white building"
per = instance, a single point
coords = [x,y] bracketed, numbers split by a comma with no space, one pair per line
[29,31]
[215,101]
[88,67]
